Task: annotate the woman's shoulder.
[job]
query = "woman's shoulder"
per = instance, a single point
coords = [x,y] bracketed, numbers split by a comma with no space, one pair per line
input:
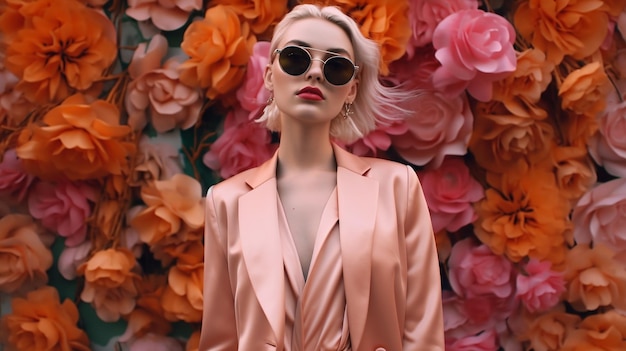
[232,186]
[386,167]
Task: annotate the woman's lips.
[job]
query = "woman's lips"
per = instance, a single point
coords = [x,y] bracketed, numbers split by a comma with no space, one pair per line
[310,93]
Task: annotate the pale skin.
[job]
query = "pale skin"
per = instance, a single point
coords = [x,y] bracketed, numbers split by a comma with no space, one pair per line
[307,171]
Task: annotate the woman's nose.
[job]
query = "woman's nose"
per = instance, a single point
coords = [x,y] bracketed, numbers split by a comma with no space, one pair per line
[316,70]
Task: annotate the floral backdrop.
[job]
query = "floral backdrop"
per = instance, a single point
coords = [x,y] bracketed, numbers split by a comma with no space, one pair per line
[116,116]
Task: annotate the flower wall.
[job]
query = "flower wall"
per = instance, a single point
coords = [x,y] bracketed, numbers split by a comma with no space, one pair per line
[116,116]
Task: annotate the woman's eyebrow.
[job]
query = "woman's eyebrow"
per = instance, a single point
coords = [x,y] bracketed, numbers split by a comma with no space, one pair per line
[307,45]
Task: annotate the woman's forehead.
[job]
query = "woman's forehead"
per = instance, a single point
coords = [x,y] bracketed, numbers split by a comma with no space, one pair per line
[318,33]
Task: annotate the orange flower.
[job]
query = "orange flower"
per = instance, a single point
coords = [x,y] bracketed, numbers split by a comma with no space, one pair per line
[521,90]
[444,245]
[384,21]
[41,322]
[584,90]
[218,48]
[260,14]
[110,283]
[559,28]
[77,140]
[502,140]
[549,331]
[193,342]
[606,331]
[525,216]
[171,205]
[148,316]
[24,257]
[63,48]
[575,172]
[182,299]
[594,278]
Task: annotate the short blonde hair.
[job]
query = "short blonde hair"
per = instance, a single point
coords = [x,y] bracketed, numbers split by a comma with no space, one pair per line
[374,102]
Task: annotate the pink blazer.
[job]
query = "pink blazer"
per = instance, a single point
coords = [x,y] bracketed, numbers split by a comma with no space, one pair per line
[390,265]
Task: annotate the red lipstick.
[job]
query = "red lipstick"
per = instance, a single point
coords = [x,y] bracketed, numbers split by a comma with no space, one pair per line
[310,93]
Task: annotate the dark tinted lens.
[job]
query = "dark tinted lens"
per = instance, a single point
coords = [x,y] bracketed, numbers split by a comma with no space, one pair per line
[338,70]
[294,60]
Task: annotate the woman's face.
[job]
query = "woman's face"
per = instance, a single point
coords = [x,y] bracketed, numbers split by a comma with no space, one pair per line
[310,97]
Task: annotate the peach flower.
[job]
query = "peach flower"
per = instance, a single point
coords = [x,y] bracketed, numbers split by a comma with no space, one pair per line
[60,50]
[155,161]
[169,206]
[525,216]
[599,217]
[110,283]
[14,107]
[475,49]
[173,246]
[570,27]
[521,90]
[538,287]
[241,146]
[156,92]
[575,172]
[584,90]
[166,15]
[218,47]
[260,14]
[78,140]
[182,299]
[155,342]
[594,278]
[14,180]
[64,208]
[24,256]
[474,270]
[502,141]
[439,127]
[41,322]
[71,258]
[425,15]
[604,331]
[608,145]
[548,331]
[450,192]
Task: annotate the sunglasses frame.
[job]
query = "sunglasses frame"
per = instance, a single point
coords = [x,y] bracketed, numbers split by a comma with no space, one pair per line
[311,59]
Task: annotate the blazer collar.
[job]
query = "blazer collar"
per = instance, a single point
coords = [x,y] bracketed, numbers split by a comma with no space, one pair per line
[357,197]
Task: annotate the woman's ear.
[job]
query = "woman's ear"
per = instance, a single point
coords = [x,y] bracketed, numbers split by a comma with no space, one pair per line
[267,78]
[354,88]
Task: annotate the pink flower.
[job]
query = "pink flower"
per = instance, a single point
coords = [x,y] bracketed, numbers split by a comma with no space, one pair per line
[71,258]
[157,92]
[252,95]
[608,145]
[155,342]
[14,180]
[241,146]
[450,192]
[63,208]
[475,48]
[425,15]
[441,126]
[377,140]
[600,217]
[167,15]
[540,288]
[476,271]
[485,341]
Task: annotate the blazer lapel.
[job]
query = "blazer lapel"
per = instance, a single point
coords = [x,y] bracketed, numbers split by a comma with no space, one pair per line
[357,199]
[261,246]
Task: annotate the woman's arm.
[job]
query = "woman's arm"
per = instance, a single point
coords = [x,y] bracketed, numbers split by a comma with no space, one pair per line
[219,330]
[424,316]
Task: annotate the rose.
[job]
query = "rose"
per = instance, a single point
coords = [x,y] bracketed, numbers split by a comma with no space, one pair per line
[602,331]
[155,161]
[63,208]
[13,180]
[484,341]
[441,126]
[377,140]
[71,258]
[252,95]
[241,146]
[599,217]
[24,257]
[166,15]
[155,342]
[549,330]
[450,192]
[539,288]
[182,298]
[475,48]
[41,322]
[110,283]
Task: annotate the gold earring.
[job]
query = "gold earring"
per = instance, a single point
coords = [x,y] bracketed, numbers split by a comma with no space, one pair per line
[347,110]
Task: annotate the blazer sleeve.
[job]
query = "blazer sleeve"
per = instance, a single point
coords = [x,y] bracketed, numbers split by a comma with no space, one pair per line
[218,331]
[424,316]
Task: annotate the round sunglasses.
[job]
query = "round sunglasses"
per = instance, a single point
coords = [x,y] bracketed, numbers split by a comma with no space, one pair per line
[296,60]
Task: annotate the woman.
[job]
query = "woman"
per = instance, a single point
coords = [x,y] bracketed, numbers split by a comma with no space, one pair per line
[318,249]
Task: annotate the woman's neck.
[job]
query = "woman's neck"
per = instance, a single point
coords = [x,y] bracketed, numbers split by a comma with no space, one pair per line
[305,152]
